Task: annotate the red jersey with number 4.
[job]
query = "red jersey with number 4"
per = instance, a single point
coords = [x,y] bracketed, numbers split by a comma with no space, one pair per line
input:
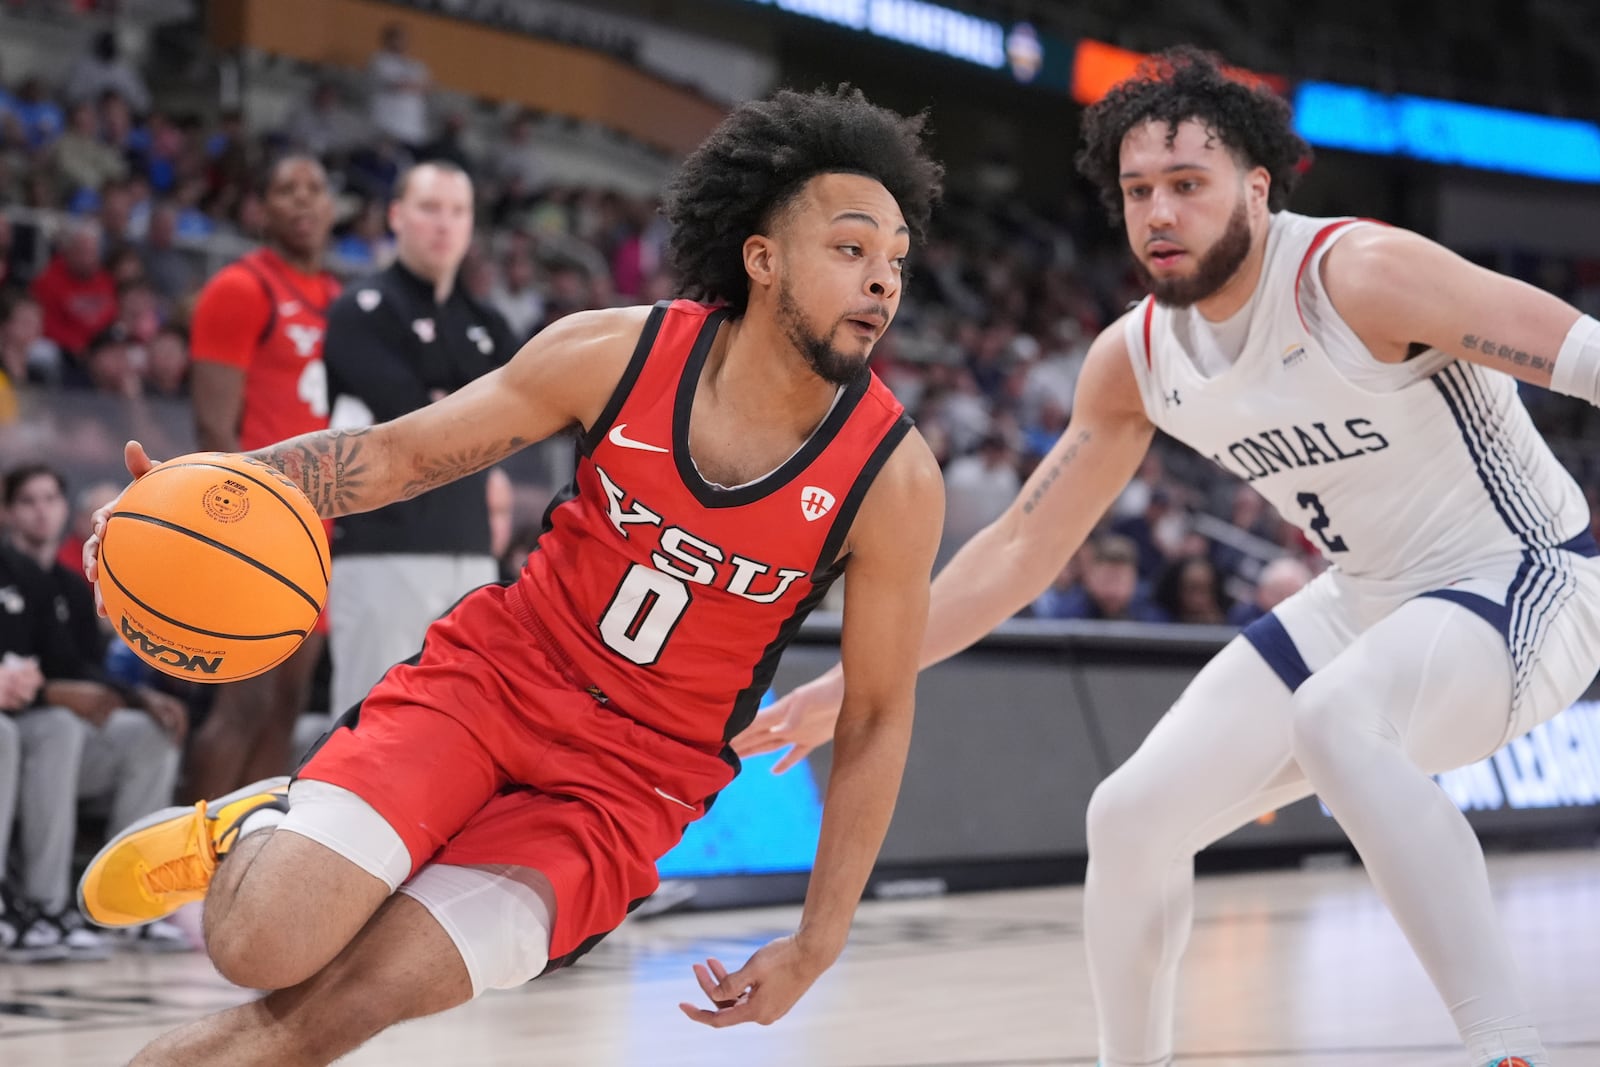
[266,318]
[671,597]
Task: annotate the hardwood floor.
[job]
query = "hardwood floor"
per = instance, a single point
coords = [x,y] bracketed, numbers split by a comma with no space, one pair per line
[1288,968]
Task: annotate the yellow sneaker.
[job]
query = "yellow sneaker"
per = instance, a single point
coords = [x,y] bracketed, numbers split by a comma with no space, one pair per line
[166,859]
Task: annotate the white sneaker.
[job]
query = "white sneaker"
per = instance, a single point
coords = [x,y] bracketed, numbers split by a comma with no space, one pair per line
[36,940]
[80,941]
[161,936]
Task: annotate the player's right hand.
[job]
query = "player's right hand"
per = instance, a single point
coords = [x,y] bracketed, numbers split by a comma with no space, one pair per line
[803,721]
[139,465]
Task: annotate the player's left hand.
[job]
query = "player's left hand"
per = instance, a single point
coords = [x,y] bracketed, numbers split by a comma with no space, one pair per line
[762,991]
[139,464]
[803,721]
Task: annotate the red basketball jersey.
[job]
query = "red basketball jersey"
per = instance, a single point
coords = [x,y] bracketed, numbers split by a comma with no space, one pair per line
[266,318]
[674,598]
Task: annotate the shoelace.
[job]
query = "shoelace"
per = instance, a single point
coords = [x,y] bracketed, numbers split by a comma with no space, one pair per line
[188,872]
[183,874]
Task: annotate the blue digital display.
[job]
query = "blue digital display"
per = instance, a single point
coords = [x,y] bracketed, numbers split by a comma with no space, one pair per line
[915,23]
[766,823]
[763,823]
[1555,765]
[1443,131]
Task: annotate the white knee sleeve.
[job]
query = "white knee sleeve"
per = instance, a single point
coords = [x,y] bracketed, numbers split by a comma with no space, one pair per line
[496,915]
[338,819]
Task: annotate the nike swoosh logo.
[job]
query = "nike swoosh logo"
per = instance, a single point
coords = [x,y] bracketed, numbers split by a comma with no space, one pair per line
[616,437]
[669,796]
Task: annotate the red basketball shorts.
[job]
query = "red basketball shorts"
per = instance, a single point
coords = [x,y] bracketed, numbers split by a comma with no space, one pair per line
[483,751]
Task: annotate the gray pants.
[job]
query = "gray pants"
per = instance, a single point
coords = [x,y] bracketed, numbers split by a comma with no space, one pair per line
[380,606]
[126,769]
[10,766]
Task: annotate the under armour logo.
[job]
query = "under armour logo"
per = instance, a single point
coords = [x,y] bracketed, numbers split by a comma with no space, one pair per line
[1172,399]
[815,502]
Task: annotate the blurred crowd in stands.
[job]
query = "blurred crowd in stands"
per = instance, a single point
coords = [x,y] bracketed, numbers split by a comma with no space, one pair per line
[116,207]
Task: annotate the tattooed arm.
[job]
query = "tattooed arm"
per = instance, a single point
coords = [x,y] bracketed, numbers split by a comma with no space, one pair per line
[1011,561]
[1396,290]
[563,377]
[347,471]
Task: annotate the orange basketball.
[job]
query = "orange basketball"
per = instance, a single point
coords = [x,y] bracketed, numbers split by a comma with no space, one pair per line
[213,567]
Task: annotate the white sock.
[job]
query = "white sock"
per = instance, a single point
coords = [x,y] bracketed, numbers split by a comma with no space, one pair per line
[261,819]
[1521,1043]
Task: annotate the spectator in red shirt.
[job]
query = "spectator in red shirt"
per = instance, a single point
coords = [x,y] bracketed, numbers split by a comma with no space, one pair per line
[76,293]
[257,378]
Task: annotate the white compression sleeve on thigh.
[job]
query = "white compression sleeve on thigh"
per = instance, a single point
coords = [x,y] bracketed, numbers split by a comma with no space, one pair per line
[1424,690]
[500,923]
[1214,762]
[1577,369]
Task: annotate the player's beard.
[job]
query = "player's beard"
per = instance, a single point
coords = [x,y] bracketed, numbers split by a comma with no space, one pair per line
[830,364]
[1219,264]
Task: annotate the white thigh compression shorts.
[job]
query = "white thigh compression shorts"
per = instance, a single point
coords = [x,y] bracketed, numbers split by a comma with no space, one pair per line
[499,917]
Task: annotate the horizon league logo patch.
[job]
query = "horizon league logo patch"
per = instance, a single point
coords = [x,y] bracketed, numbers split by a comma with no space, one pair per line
[172,657]
[226,501]
[815,502]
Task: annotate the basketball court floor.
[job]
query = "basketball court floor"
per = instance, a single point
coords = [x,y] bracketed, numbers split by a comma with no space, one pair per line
[1285,968]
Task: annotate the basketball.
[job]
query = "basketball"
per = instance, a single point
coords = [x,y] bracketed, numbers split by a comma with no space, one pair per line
[213,567]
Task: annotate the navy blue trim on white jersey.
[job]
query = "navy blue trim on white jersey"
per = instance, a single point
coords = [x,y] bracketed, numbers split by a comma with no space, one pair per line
[1545,581]
[1507,487]
[1545,518]
[1543,584]
[1272,640]
[1496,615]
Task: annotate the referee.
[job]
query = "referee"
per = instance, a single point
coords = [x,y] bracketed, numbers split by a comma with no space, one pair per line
[397,342]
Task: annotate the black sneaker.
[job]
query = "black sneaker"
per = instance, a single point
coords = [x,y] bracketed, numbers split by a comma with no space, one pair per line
[10,931]
[80,942]
[29,938]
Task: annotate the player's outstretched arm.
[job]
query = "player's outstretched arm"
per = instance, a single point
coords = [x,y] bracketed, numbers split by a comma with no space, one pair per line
[1011,561]
[891,548]
[561,378]
[1396,288]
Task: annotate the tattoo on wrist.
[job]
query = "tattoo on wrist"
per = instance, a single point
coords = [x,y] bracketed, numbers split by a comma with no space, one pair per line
[1473,343]
[328,466]
[1049,479]
[441,470]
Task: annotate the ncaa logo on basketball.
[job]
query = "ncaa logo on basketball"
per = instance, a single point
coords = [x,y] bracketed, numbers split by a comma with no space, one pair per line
[226,501]
[172,657]
[815,502]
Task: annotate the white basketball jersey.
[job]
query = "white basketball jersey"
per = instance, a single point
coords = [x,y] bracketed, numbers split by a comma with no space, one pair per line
[1409,472]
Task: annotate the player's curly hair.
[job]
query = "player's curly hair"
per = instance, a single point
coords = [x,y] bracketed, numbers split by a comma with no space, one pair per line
[1185,83]
[739,181]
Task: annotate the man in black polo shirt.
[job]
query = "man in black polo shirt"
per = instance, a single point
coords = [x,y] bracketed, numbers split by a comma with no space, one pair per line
[81,739]
[397,342]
